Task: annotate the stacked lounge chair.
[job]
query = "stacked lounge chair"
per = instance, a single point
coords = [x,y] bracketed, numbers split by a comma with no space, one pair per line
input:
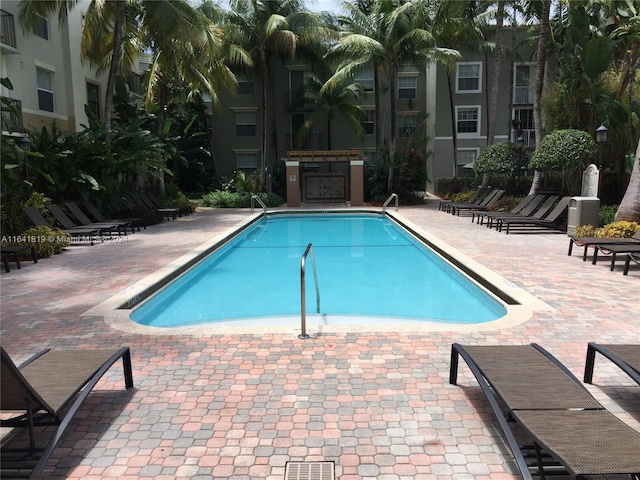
[98,216]
[527,386]
[85,233]
[475,199]
[528,224]
[143,202]
[76,211]
[525,208]
[489,201]
[614,250]
[67,223]
[48,389]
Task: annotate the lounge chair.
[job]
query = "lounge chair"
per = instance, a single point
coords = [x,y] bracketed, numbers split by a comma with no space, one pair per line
[48,389]
[614,250]
[523,209]
[475,199]
[536,224]
[627,263]
[143,202]
[538,213]
[156,202]
[83,233]
[527,384]
[17,251]
[121,226]
[486,204]
[627,357]
[98,216]
[587,242]
[67,223]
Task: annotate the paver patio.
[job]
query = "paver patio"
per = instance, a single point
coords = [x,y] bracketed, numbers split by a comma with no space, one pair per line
[238,406]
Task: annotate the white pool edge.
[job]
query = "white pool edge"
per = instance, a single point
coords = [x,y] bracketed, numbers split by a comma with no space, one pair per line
[118,318]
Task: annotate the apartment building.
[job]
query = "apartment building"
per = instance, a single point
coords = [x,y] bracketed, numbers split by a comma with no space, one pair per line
[424,109]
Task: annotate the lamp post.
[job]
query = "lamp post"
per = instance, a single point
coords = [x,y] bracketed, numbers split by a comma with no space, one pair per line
[601,138]
[520,147]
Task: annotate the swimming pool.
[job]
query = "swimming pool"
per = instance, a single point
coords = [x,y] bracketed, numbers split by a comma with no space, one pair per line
[367,266]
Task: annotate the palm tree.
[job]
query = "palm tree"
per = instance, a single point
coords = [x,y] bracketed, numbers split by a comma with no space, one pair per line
[541,61]
[265,29]
[456,24]
[629,208]
[393,37]
[327,100]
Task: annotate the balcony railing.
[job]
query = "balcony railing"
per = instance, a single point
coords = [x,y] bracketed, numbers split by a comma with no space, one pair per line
[522,95]
[528,135]
[12,115]
[7,29]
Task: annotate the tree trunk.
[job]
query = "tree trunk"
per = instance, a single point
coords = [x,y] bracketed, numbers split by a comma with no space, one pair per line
[115,65]
[265,83]
[376,101]
[394,122]
[272,125]
[495,81]
[543,41]
[454,130]
[162,115]
[629,208]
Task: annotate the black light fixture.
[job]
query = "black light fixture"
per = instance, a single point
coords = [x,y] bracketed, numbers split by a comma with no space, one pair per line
[520,142]
[601,134]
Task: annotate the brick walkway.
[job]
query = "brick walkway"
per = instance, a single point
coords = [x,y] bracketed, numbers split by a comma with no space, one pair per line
[239,406]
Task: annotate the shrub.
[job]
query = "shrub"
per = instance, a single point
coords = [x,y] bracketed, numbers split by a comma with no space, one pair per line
[622,229]
[584,231]
[179,199]
[505,204]
[463,196]
[46,240]
[502,157]
[607,214]
[224,199]
[564,149]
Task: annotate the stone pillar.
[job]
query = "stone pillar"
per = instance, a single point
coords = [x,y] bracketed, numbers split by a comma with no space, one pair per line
[292,176]
[357,182]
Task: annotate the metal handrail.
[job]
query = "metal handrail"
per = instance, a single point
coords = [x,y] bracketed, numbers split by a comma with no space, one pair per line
[303,302]
[256,197]
[388,201]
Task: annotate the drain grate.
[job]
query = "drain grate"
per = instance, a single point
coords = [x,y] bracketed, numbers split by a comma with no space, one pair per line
[310,471]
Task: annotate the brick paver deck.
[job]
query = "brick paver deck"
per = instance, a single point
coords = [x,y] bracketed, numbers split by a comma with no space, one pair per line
[239,406]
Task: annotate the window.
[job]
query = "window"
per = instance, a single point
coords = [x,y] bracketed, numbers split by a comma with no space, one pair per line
[523,83]
[468,77]
[407,87]
[41,29]
[247,160]
[523,125]
[369,121]
[44,79]
[246,124]
[466,157]
[365,78]
[406,125]
[245,84]
[468,120]
[93,98]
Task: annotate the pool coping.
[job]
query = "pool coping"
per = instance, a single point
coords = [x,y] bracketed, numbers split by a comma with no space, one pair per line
[117,317]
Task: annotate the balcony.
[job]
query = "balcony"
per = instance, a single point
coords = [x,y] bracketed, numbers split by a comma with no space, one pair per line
[522,95]
[7,31]
[528,135]
[12,115]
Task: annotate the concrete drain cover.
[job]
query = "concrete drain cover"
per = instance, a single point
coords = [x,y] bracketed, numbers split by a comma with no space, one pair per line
[309,471]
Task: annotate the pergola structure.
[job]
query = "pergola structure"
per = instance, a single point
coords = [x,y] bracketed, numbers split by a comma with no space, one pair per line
[325,186]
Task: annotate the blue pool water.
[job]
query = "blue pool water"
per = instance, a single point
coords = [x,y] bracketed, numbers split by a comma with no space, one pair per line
[367,266]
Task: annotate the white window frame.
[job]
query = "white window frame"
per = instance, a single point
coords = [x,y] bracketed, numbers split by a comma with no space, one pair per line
[238,111]
[400,123]
[47,30]
[458,77]
[475,134]
[517,100]
[246,153]
[97,102]
[459,164]
[414,87]
[45,90]
[369,118]
[365,77]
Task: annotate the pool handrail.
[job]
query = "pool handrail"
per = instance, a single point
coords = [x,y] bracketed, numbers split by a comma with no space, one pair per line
[303,301]
[259,200]
[388,201]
